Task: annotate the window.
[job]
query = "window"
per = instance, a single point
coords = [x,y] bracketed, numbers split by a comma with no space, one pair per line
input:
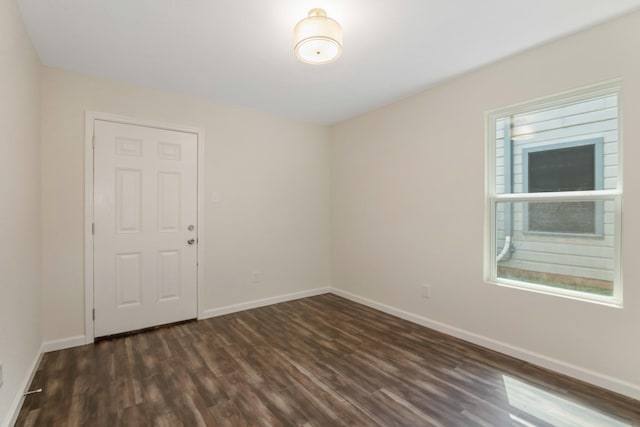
[573,166]
[554,195]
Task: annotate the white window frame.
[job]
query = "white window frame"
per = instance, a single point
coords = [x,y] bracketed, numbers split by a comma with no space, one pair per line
[613,87]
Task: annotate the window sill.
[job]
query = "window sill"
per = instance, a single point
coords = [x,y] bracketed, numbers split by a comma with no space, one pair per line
[613,302]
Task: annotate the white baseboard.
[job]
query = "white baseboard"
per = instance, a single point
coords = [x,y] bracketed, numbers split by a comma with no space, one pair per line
[63,343]
[16,405]
[580,373]
[221,311]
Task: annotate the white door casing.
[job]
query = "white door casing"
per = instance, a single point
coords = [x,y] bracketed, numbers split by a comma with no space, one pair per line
[145,209]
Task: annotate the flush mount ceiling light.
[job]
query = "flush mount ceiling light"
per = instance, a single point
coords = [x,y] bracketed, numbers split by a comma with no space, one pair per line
[317,39]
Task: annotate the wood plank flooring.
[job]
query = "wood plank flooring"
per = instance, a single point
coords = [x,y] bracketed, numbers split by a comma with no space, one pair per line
[320,361]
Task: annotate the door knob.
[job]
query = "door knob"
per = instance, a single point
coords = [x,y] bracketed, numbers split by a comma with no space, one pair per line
[191,241]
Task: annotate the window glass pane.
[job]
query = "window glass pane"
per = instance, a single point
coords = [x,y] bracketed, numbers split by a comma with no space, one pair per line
[559,261]
[562,169]
[564,128]
[562,217]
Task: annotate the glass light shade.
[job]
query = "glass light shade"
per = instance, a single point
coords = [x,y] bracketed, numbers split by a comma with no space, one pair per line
[317,39]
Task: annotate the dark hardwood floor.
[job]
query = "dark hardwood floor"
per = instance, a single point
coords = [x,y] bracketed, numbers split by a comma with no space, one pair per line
[321,361]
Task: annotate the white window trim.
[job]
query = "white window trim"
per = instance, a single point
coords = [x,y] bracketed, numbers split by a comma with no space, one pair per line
[612,87]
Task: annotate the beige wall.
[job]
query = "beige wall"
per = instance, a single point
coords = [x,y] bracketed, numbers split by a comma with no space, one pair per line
[271,174]
[407,207]
[20,331]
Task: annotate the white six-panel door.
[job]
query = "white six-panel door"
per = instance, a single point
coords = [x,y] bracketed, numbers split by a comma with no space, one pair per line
[145,215]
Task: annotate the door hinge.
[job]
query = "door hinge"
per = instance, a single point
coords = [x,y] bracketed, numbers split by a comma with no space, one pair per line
[94,314]
[93,228]
[93,141]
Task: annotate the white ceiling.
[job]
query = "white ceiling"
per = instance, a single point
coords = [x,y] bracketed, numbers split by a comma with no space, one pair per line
[240,51]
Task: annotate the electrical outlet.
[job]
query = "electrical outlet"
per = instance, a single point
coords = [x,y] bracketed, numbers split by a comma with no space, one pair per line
[1,376]
[426,291]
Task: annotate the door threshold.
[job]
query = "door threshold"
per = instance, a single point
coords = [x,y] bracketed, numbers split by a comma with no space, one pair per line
[143,330]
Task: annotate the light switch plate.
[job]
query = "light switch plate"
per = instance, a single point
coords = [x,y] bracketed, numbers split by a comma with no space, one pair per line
[426,291]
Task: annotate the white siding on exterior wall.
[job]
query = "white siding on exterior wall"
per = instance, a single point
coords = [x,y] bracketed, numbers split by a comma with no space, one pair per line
[589,256]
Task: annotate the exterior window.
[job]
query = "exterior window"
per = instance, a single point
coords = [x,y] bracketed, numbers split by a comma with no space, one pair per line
[554,195]
[574,166]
